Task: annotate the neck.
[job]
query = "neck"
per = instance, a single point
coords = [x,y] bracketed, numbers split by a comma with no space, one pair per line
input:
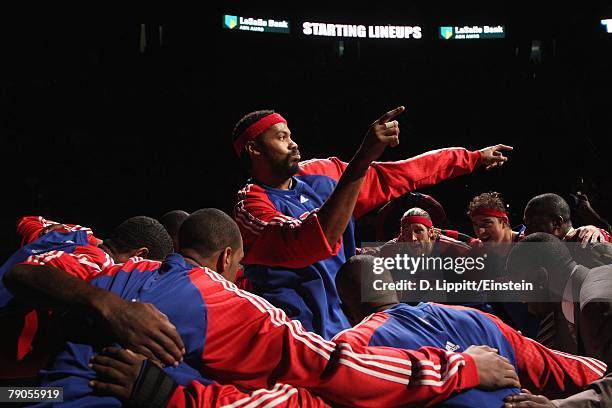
[107,247]
[273,180]
[380,307]
[192,256]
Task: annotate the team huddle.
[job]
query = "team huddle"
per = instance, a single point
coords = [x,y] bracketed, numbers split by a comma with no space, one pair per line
[266,308]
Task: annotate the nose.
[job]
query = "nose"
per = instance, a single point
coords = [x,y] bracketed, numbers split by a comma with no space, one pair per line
[293,145]
[480,231]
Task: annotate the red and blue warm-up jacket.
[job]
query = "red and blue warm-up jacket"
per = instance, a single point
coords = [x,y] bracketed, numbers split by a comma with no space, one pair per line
[28,333]
[288,259]
[235,337]
[455,328]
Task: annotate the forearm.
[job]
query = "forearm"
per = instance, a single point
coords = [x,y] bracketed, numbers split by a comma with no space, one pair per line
[47,286]
[337,211]
[550,372]
[386,181]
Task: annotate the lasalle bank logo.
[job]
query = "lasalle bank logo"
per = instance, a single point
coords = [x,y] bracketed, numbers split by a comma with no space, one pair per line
[446,32]
[230,21]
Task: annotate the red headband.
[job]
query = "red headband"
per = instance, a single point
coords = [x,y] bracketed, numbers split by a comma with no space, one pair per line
[414,219]
[256,129]
[490,212]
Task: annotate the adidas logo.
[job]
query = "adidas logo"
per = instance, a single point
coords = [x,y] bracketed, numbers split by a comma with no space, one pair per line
[451,347]
[303,199]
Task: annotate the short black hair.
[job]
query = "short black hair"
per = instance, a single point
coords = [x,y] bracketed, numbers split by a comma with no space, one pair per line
[172,221]
[549,205]
[242,125]
[142,231]
[209,230]
[539,249]
[354,281]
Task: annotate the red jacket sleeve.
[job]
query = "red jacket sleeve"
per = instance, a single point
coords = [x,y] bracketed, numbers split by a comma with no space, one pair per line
[244,331]
[388,180]
[550,372]
[85,263]
[30,228]
[216,395]
[275,239]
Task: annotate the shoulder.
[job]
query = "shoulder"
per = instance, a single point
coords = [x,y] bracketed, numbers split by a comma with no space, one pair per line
[331,167]
[135,264]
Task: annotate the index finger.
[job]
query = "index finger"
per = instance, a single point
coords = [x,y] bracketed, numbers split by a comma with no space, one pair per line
[391,115]
[168,346]
[170,331]
[503,147]
[121,354]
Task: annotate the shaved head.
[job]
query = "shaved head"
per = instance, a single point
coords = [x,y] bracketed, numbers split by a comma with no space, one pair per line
[550,205]
[172,221]
[354,281]
[548,213]
[209,230]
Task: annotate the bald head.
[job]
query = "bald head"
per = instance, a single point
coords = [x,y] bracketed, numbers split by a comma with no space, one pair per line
[548,213]
[172,221]
[208,231]
[549,204]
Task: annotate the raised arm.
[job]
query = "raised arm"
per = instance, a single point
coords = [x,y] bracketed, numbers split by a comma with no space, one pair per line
[274,239]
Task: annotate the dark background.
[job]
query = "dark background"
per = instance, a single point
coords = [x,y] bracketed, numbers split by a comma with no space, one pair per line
[93,130]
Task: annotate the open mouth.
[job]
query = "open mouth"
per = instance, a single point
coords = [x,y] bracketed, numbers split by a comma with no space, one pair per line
[485,238]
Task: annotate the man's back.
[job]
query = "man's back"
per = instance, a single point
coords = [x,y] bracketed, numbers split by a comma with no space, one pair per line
[454,328]
[173,287]
[449,328]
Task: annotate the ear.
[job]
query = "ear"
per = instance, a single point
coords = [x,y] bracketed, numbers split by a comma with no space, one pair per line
[142,252]
[224,261]
[558,221]
[252,148]
[542,278]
